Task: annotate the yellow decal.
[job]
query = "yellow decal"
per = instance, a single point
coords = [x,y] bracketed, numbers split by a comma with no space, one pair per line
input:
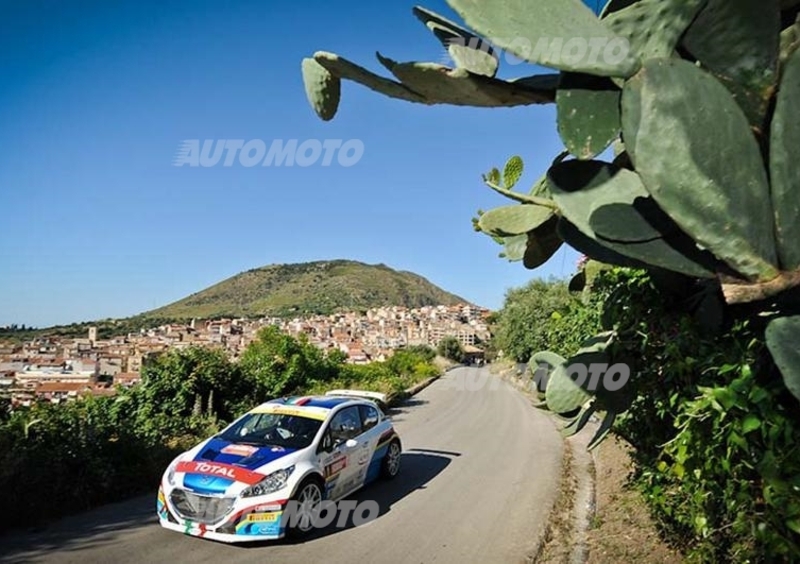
[261,517]
[318,413]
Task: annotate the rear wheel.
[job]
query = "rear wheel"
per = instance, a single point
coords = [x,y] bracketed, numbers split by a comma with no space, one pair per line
[390,466]
[307,500]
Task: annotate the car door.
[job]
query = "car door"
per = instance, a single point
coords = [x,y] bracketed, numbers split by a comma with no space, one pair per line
[340,464]
[368,441]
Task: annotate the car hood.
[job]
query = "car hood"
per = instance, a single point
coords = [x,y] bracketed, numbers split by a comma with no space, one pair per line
[219,464]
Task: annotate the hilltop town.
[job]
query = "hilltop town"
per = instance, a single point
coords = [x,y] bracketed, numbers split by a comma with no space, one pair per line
[59,369]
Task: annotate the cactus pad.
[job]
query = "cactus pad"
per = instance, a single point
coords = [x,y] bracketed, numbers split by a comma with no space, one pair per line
[543,242]
[584,189]
[781,335]
[323,89]
[514,247]
[512,171]
[592,247]
[540,35]
[653,27]
[738,41]
[588,114]
[540,366]
[562,394]
[514,220]
[719,198]
[467,50]
[458,87]
[783,165]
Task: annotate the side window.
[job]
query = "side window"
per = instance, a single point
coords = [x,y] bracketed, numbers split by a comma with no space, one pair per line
[369,415]
[345,425]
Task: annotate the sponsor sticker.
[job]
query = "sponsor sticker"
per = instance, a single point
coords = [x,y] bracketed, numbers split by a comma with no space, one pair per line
[262,517]
[335,467]
[240,450]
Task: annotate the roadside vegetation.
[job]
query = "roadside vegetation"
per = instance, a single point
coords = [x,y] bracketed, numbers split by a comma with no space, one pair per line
[712,426]
[451,349]
[60,459]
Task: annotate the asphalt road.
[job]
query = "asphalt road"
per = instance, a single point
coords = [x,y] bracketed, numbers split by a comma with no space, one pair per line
[479,475]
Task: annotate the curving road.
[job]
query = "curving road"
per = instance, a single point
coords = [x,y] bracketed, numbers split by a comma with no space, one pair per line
[479,476]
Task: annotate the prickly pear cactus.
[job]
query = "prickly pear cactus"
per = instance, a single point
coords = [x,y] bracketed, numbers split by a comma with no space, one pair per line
[323,89]
[700,103]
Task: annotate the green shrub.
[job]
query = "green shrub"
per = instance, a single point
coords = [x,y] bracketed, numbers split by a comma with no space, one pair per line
[77,455]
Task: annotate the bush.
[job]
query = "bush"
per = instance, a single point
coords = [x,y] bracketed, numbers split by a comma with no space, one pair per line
[451,349]
[543,315]
[72,457]
[713,426]
[77,455]
[714,430]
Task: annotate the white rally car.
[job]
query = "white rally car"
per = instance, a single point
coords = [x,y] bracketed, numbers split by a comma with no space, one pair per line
[294,452]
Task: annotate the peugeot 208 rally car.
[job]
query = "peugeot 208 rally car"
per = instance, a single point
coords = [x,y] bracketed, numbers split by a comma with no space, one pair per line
[240,484]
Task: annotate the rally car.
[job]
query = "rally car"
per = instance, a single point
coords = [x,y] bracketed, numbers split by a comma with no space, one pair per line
[296,452]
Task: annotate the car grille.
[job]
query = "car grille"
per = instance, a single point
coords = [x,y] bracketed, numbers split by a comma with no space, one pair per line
[200,508]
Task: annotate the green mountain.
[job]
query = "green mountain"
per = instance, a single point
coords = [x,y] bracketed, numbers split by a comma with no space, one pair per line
[320,287]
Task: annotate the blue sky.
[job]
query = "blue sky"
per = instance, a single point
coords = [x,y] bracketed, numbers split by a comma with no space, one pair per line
[96,97]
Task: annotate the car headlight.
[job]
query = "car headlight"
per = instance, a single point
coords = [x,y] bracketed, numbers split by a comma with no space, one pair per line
[171,472]
[272,483]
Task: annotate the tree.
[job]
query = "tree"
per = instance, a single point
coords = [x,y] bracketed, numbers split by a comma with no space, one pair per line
[177,384]
[450,348]
[522,324]
[424,351]
[278,364]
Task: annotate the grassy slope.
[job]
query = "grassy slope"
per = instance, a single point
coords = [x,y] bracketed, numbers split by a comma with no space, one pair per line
[307,288]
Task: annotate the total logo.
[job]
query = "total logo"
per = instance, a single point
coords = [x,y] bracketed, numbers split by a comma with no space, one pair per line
[213,469]
[208,469]
[220,470]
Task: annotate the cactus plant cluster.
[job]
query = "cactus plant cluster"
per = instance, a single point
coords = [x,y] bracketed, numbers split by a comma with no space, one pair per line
[702,114]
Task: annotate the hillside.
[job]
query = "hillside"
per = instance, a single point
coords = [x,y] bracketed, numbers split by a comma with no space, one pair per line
[308,288]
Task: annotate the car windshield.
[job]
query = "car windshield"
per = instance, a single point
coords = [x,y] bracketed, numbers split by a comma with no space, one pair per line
[272,429]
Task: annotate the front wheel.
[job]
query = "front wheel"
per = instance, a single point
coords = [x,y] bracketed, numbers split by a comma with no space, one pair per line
[391,462]
[306,504]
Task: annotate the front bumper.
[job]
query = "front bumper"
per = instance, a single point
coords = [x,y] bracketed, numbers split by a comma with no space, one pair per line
[200,530]
[262,520]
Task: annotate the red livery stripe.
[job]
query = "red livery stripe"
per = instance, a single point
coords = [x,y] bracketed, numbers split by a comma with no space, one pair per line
[222,470]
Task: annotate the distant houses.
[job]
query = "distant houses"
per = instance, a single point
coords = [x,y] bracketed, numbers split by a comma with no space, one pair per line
[57,370]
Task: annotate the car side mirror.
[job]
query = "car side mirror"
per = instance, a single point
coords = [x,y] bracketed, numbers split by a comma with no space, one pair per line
[326,444]
[351,443]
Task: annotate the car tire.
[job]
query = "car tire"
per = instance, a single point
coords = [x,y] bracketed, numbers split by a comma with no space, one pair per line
[390,466]
[308,490]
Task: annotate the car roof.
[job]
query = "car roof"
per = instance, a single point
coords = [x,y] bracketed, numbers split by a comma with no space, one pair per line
[313,404]
[325,402]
